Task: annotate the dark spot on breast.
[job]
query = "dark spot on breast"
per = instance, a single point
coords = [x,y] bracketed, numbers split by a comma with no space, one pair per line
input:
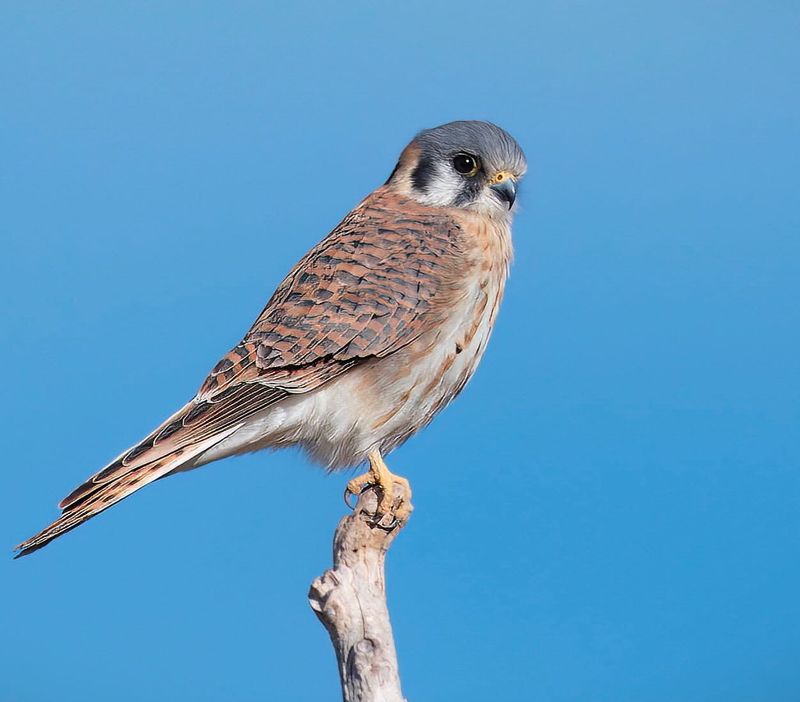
[459,348]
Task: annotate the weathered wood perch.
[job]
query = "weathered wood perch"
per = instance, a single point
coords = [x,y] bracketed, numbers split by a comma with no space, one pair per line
[350,600]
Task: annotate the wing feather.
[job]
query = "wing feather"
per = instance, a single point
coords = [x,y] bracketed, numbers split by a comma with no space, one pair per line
[384,276]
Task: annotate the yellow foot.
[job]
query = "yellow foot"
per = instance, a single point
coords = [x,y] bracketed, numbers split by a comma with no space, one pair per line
[381,477]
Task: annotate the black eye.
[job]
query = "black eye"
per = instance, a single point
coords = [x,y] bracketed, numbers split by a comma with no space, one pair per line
[465,164]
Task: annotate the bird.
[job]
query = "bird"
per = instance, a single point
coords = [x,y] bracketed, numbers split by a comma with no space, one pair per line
[373,332]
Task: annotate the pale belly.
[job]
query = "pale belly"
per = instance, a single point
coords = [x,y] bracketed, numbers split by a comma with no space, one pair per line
[380,403]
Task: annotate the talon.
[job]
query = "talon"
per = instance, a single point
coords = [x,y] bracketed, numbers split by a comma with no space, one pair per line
[356,486]
[378,521]
[380,477]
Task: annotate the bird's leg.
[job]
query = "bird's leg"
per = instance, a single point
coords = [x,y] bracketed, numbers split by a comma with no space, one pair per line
[379,475]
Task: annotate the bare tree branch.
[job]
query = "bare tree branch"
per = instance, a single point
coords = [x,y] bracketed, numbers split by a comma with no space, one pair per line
[350,600]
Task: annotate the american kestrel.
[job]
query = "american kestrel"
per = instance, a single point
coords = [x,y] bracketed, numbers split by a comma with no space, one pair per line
[373,332]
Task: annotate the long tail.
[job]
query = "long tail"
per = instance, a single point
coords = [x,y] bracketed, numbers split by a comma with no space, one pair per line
[171,446]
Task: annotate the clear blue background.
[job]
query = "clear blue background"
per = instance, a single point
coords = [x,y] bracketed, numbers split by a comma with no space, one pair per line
[611,509]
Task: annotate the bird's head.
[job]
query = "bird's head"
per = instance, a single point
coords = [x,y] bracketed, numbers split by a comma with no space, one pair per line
[472,165]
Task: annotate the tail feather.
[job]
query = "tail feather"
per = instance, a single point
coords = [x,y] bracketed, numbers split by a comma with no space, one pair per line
[192,424]
[93,504]
[118,480]
[127,461]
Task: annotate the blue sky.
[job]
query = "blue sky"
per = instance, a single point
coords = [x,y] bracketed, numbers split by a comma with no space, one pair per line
[610,511]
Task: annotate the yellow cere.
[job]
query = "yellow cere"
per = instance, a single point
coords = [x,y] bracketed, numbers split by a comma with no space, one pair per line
[500,177]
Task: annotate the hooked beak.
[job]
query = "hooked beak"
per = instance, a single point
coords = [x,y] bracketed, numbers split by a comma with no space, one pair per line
[505,190]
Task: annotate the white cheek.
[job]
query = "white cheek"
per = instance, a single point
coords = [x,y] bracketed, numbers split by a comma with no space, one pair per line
[442,189]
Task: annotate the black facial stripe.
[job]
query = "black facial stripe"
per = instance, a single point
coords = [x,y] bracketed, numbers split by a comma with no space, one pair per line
[423,174]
